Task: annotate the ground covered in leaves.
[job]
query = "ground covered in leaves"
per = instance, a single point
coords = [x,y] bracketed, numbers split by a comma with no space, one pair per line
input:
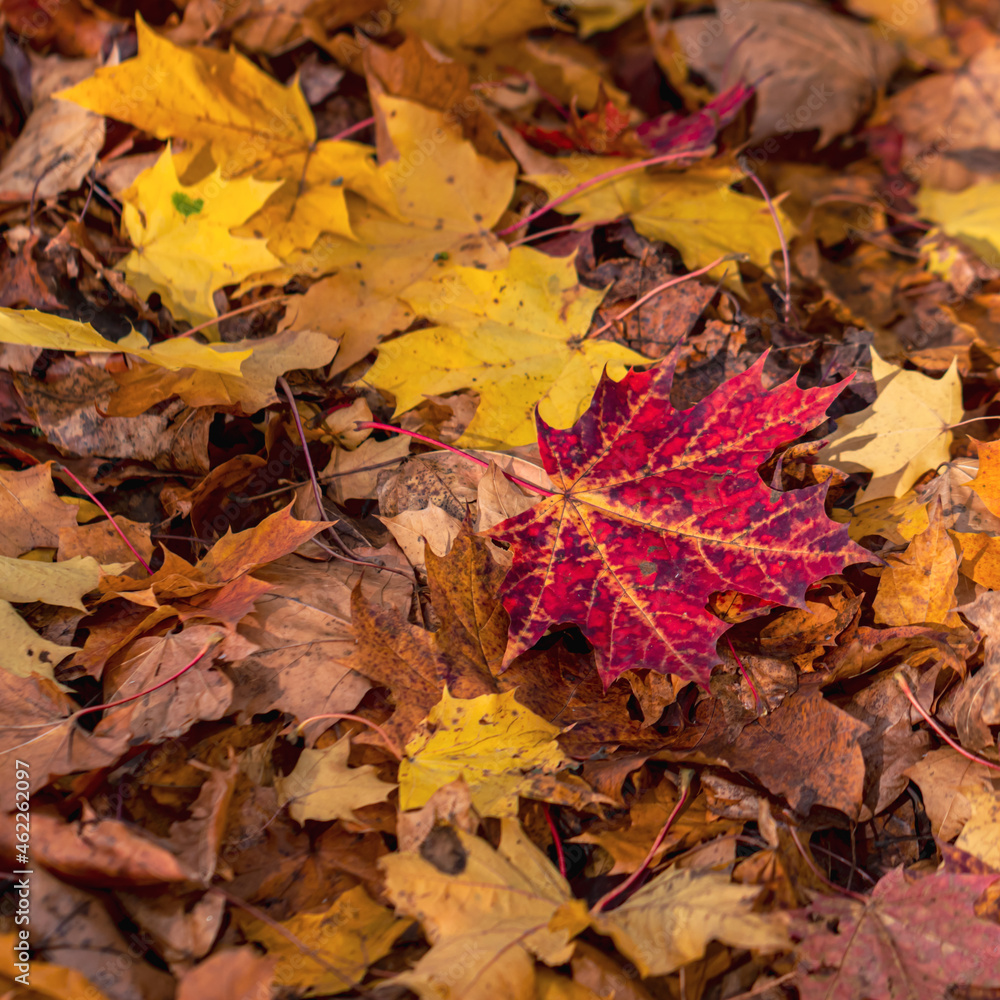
[500,500]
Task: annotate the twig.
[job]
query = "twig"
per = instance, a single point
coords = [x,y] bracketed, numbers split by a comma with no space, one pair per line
[812,867]
[900,679]
[765,987]
[345,555]
[541,233]
[687,777]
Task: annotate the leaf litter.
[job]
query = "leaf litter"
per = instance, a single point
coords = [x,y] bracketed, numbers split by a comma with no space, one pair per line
[500,501]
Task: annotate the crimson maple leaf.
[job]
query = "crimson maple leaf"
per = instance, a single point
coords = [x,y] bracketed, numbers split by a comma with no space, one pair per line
[659,508]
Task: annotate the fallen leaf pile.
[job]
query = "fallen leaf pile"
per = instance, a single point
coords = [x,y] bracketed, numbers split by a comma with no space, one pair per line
[500,500]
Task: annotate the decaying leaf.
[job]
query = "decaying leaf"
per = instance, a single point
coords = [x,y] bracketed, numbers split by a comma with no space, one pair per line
[916,937]
[327,953]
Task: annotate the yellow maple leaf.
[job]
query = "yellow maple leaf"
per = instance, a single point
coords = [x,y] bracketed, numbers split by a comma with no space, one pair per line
[253,125]
[980,836]
[25,652]
[489,921]
[251,387]
[468,24]
[987,481]
[181,234]
[490,741]
[446,198]
[902,434]
[323,787]
[670,921]
[348,938]
[695,211]
[59,583]
[515,336]
[38,329]
[972,215]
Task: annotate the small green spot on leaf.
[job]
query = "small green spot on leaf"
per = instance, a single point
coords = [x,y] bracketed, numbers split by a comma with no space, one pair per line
[443,255]
[185,205]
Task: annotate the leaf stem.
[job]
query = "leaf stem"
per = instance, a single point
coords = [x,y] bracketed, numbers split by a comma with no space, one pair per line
[687,778]
[132,697]
[345,554]
[600,178]
[757,700]
[812,867]
[900,679]
[231,313]
[560,855]
[107,514]
[782,240]
[543,232]
[351,129]
[378,426]
[386,738]
[656,291]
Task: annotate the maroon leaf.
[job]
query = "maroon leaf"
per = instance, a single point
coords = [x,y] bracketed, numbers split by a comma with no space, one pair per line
[673,133]
[658,509]
[915,939]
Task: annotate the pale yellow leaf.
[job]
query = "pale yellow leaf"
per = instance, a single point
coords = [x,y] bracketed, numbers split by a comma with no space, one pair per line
[488,921]
[61,583]
[670,921]
[323,787]
[695,211]
[903,434]
[980,836]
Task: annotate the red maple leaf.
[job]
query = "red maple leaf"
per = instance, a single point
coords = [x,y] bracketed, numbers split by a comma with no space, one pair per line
[918,939]
[658,509]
